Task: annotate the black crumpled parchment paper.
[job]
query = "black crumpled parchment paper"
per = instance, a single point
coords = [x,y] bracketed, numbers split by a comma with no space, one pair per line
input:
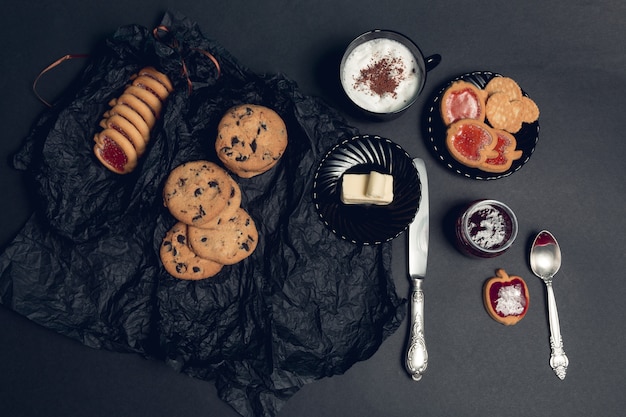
[304,306]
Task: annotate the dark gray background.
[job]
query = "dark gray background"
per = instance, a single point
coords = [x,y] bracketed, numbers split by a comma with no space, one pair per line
[569,56]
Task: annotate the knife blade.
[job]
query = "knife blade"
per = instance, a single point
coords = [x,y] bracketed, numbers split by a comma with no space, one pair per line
[416,360]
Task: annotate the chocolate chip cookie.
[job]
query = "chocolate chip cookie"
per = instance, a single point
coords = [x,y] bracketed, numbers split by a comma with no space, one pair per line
[180,261]
[250,139]
[196,191]
[232,206]
[234,239]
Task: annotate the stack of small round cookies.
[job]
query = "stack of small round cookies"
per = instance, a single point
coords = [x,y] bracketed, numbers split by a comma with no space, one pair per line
[128,123]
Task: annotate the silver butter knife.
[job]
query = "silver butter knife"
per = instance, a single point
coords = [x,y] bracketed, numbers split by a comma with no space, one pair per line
[417,355]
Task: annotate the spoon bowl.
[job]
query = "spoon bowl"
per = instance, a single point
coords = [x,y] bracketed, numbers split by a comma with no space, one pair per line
[545,261]
[545,255]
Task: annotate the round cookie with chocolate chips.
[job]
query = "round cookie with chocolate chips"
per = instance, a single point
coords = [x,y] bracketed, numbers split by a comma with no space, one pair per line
[233,240]
[196,191]
[232,206]
[180,261]
[245,173]
[250,139]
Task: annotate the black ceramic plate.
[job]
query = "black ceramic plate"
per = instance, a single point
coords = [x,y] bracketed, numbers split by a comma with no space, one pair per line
[526,138]
[366,224]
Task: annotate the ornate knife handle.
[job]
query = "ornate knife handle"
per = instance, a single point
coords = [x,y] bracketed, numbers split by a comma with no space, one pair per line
[416,356]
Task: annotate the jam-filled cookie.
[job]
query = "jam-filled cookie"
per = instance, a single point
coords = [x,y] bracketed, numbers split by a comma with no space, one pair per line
[196,191]
[471,142]
[158,76]
[152,85]
[114,151]
[506,153]
[250,139]
[462,100]
[139,106]
[180,261]
[127,129]
[131,116]
[233,240]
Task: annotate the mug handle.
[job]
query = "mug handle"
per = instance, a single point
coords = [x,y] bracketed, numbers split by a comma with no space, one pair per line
[432,61]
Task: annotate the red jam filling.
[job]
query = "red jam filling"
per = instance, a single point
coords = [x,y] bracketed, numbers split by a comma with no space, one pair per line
[113,154]
[501,147]
[462,104]
[145,87]
[470,139]
[494,295]
[120,130]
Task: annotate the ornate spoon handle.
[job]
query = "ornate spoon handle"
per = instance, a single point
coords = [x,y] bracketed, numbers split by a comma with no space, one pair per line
[417,356]
[558,359]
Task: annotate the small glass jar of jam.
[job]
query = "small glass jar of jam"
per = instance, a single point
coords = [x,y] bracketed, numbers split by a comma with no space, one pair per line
[487,228]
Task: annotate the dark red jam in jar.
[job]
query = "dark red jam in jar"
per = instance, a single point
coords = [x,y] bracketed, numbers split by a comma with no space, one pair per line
[487,228]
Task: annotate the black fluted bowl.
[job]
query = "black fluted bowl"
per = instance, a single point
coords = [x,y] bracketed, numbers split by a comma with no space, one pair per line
[366,224]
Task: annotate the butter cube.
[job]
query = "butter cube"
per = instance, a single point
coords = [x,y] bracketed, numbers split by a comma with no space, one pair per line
[372,188]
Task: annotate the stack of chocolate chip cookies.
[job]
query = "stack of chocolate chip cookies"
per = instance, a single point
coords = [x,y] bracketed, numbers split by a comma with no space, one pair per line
[213,229]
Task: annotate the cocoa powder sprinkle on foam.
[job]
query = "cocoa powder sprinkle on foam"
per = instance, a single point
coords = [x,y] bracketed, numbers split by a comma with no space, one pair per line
[382,76]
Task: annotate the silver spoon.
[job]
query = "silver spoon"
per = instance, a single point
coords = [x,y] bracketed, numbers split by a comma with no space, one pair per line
[545,261]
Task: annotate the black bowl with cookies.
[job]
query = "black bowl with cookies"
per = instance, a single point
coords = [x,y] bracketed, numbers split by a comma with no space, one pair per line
[482,125]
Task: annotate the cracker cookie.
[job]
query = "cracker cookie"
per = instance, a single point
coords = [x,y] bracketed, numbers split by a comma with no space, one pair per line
[507,107]
[530,111]
[232,241]
[197,191]
[250,138]
[505,85]
[180,261]
[504,113]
